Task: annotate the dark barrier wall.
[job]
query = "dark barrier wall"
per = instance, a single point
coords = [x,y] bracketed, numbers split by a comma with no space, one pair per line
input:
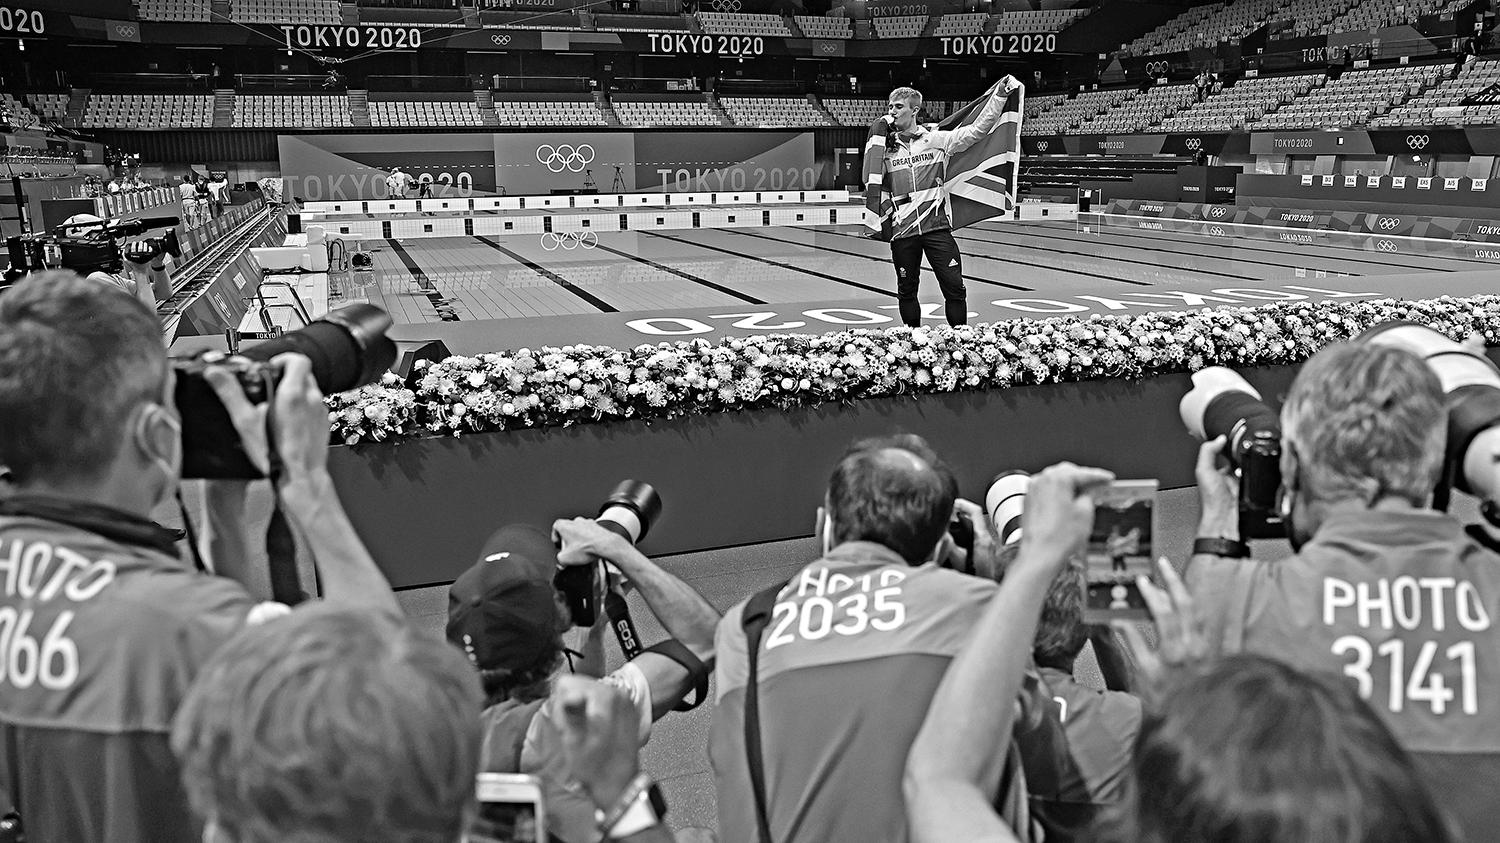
[1311,223]
[353,167]
[424,507]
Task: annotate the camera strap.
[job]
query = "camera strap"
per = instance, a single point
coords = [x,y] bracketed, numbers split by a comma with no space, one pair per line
[754,620]
[281,545]
[618,612]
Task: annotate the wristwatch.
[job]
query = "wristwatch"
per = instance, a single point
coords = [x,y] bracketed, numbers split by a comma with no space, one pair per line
[1228,548]
[640,806]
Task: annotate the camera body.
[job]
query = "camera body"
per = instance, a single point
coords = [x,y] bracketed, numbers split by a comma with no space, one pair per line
[89,246]
[628,511]
[348,348]
[1221,403]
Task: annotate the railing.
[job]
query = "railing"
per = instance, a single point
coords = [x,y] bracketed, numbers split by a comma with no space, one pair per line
[652,84]
[423,83]
[542,84]
[153,82]
[279,81]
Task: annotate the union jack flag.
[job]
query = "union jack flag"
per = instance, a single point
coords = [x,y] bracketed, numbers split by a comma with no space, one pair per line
[975,181]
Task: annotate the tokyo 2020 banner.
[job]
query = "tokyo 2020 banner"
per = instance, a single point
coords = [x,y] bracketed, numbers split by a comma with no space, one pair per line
[354,167]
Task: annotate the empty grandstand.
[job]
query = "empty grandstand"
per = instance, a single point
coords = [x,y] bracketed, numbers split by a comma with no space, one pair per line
[900,26]
[52,107]
[734,23]
[1352,99]
[644,111]
[1204,26]
[1243,102]
[1069,114]
[290,111]
[553,111]
[285,11]
[966,23]
[1443,104]
[150,111]
[1145,109]
[187,11]
[824,26]
[1040,20]
[424,112]
[774,111]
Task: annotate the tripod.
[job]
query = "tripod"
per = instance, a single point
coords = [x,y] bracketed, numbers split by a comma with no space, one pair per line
[619,185]
[588,180]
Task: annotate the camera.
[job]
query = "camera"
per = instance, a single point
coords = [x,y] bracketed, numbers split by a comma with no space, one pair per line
[1221,403]
[628,512]
[1471,459]
[86,244]
[348,349]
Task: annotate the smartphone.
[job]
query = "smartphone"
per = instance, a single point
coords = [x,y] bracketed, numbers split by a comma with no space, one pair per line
[510,810]
[1119,550]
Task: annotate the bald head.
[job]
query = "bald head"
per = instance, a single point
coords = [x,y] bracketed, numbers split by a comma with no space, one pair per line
[893,492]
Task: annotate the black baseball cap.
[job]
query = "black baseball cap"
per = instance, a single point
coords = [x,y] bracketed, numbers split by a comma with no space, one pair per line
[503,611]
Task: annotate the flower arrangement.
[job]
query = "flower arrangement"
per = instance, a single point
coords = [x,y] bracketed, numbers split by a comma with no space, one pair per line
[583,383]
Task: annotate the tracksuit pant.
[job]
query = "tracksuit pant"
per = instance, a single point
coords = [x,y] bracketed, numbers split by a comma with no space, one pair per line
[942,255]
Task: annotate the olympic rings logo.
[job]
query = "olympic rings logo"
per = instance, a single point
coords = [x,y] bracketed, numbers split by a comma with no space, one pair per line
[828,48]
[565,156]
[500,40]
[726,5]
[1218,211]
[1417,141]
[569,240]
[1041,146]
[1157,68]
[1388,223]
[1193,143]
[124,30]
[1216,231]
[1387,246]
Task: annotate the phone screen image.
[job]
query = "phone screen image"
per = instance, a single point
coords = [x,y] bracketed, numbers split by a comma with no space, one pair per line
[1120,549]
[504,822]
[510,810]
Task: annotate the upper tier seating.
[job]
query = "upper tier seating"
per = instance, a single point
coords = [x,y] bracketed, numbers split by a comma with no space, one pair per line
[21,114]
[1038,105]
[52,107]
[1443,105]
[285,11]
[1044,20]
[189,11]
[773,111]
[739,23]
[1373,14]
[149,111]
[1144,109]
[1242,102]
[966,23]
[665,112]
[576,112]
[900,26]
[291,111]
[1309,17]
[641,23]
[425,113]
[1205,26]
[1069,113]
[1352,99]
[824,26]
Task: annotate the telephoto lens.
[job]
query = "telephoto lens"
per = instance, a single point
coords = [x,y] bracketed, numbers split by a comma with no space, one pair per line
[348,349]
[1005,501]
[1472,386]
[628,512]
[1221,403]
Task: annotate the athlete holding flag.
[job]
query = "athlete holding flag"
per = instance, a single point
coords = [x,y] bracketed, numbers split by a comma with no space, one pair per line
[922,183]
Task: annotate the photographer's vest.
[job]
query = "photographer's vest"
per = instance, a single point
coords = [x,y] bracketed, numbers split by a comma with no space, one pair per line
[100,640]
[854,650]
[1406,608]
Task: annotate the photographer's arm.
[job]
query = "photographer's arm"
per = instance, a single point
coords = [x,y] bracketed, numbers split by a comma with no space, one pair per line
[683,612]
[308,497]
[955,763]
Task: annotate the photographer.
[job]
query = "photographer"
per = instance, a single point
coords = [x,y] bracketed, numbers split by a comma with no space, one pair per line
[823,682]
[105,625]
[1391,595]
[507,616]
[334,724]
[956,764]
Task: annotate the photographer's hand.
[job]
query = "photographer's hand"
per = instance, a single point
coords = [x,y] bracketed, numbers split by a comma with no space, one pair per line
[1059,514]
[582,540]
[310,502]
[1180,628]
[1218,493]
[984,560]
